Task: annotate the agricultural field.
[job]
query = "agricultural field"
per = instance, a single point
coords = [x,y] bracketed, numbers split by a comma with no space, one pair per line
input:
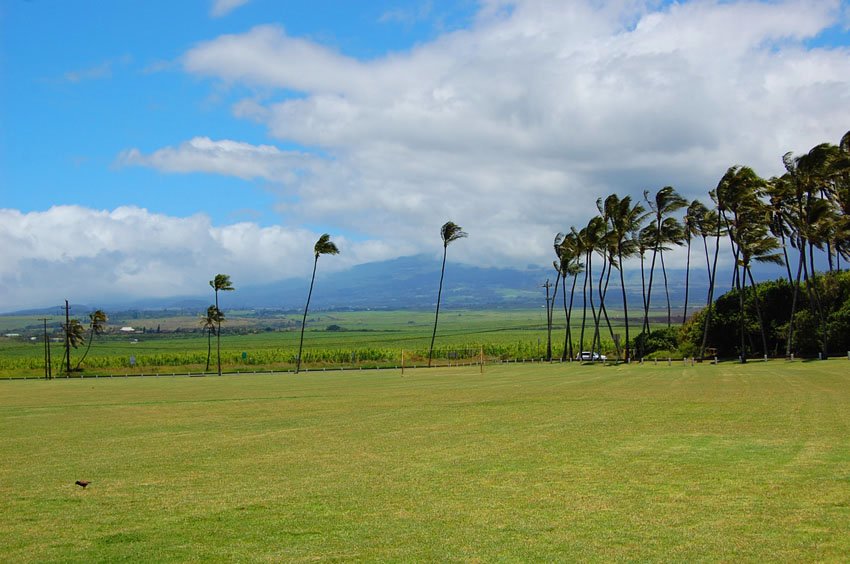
[720,462]
[333,339]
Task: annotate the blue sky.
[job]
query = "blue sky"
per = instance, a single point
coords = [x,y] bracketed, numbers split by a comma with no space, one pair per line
[152,143]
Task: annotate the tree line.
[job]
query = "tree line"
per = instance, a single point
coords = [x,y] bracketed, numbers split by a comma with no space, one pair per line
[786,221]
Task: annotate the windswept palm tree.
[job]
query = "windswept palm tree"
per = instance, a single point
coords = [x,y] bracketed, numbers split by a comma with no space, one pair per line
[210,322]
[75,335]
[221,283]
[665,202]
[97,324]
[693,221]
[324,246]
[571,265]
[449,232]
[626,222]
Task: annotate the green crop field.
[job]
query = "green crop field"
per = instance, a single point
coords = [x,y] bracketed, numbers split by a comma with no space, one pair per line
[545,462]
[332,339]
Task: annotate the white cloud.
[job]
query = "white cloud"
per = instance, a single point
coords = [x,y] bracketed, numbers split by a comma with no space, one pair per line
[99,255]
[512,128]
[230,158]
[515,126]
[223,7]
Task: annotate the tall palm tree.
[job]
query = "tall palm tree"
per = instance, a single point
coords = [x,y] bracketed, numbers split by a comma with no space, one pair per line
[740,189]
[692,224]
[221,283]
[571,265]
[97,324]
[665,202]
[626,222]
[210,321]
[449,232]
[324,246]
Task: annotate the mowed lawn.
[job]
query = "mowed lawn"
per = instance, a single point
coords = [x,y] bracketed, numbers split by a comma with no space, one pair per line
[524,462]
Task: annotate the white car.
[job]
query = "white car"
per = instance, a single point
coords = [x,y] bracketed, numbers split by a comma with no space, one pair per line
[587,355]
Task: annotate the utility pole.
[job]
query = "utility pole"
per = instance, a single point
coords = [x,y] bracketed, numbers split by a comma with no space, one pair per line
[67,339]
[48,372]
[547,285]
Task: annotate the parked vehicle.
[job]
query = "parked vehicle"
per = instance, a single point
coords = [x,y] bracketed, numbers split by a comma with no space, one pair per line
[587,355]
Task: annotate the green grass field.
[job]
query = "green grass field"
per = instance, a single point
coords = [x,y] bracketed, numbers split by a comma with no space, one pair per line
[560,462]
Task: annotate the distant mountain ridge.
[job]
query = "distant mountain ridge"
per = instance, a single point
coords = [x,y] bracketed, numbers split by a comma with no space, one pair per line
[411,283]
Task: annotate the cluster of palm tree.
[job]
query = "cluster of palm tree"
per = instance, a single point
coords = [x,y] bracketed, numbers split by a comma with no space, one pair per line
[807,208]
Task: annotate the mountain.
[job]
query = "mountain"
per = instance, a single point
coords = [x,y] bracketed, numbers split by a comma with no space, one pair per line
[411,283]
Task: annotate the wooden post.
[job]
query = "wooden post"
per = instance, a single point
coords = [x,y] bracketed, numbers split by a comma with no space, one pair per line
[402,362]
[481,359]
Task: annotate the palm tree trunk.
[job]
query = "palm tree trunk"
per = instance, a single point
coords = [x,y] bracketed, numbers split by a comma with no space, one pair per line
[711,279]
[437,314]
[741,284]
[568,335]
[603,293]
[88,346]
[643,296]
[795,288]
[218,336]
[758,310]
[666,291]
[687,281]
[304,319]
[597,318]
[584,304]
[209,347]
[649,293]
[625,307]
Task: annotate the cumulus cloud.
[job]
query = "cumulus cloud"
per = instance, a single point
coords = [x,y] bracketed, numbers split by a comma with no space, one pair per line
[223,7]
[226,157]
[128,252]
[514,126]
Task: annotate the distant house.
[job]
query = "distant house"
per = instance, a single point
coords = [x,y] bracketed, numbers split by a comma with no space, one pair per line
[12,335]
[127,330]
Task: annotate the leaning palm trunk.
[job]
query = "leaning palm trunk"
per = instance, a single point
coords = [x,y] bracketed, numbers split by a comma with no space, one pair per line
[86,352]
[666,292]
[437,314]
[795,288]
[596,345]
[625,308]
[584,307]
[209,347]
[568,336]
[711,280]
[687,281]
[741,284]
[304,319]
[648,297]
[758,310]
[602,294]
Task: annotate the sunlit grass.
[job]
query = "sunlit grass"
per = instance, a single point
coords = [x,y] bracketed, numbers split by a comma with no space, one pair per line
[550,463]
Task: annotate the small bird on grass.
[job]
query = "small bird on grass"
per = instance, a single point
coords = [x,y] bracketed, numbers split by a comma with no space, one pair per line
[82,483]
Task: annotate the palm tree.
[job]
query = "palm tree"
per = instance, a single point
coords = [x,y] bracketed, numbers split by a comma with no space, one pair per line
[449,232]
[97,324]
[665,202]
[210,322]
[626,221]
[571,265]
[740,189]
[222,283]
[324,246]
[692,224]
[75,335]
